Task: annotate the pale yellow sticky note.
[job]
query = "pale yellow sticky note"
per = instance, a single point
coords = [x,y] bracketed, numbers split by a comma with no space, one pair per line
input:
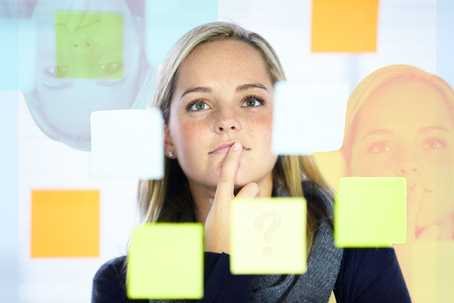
[344,25]
[64,223]
[268,236]
[165,261]
[370,212]
[431,271]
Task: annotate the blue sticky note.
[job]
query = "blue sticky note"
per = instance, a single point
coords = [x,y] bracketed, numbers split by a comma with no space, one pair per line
[445,41]
[17,57]
[167,21]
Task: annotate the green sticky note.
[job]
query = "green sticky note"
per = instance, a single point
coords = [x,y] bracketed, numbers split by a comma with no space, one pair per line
[370,212]
[165,261]
[268,236]
[89,45]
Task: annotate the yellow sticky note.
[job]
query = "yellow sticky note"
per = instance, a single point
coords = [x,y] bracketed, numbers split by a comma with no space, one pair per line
[165,261]
[370,212]
[344,25]
[268,236]
[64,223]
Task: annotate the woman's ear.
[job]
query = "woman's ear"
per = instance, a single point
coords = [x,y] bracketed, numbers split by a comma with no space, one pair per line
[169,147]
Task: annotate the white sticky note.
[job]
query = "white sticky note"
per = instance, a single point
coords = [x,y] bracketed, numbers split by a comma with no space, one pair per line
[308,117]
[127,143]
[268,236]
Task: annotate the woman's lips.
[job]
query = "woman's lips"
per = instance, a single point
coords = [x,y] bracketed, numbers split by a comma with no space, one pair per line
[224,149]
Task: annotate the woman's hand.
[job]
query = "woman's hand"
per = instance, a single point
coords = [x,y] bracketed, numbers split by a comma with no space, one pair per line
[217,224]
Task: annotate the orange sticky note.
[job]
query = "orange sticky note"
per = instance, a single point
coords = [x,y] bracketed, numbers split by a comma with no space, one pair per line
[65,223]
[344,25]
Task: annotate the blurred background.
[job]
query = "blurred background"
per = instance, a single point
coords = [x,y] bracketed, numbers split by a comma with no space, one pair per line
[62,60]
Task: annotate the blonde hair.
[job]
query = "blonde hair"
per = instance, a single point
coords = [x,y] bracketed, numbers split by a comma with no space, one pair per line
[162,200]
[378,79]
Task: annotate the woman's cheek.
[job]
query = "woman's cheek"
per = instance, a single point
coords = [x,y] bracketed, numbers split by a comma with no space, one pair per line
[263,127]
[192,132]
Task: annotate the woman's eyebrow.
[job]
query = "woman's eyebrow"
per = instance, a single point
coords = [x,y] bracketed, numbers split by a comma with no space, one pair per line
[378,131]
[201,89]
[251,85]
[432,128]
[204,89]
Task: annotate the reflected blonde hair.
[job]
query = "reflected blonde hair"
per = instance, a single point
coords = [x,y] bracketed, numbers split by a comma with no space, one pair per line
[164,200]
[378,79]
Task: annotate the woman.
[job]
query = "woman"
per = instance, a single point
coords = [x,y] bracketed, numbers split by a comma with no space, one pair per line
[108,75]
[419,145]
[400,122]
[216,89]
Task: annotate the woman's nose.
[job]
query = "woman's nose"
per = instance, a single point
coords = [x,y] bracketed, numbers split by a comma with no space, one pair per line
[407,166]
[227,125]
[408,169]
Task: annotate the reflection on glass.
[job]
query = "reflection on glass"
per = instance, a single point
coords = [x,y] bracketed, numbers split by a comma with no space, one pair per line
[89,57]
[400,122]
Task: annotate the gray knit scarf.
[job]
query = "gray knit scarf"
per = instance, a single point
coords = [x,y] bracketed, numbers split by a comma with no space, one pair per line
[316,284]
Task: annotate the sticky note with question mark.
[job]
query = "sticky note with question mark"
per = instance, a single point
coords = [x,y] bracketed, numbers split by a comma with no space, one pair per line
[268,236]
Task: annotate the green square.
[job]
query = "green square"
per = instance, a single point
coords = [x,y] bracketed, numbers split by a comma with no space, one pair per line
[89,45]
[370,212]
[165,261]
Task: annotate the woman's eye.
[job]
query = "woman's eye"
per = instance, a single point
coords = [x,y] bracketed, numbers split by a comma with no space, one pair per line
[378,147]
[434,143]
[253,100]
[195,106]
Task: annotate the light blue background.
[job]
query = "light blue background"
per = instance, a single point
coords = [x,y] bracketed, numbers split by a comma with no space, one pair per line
[445,40]
[167,20]
[9,214]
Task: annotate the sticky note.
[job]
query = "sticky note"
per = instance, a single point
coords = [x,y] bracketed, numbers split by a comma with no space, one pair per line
[344,25]
[167,21]
[370,212]
[127,143]
[308,117]
[17,54]
[64,223]
[268,236]
[430,270]
[165,261]
[445,43]
[89,45]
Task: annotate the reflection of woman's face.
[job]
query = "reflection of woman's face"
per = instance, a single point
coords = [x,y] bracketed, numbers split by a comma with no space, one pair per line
[223,94]
[66,103]
[406,129]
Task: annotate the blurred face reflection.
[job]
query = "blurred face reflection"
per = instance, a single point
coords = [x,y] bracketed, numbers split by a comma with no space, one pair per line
[406,129]
[62,105]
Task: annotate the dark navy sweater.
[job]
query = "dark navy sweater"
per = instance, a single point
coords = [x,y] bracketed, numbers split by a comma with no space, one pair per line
[366,275]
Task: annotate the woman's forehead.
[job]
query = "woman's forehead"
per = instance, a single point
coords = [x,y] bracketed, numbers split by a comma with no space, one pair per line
[223,60]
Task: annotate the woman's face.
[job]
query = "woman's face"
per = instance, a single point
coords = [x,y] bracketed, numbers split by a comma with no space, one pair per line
[223,94]
[65,104]
[406,129]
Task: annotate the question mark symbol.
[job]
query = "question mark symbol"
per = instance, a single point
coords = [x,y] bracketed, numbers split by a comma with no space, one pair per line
[266,223]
